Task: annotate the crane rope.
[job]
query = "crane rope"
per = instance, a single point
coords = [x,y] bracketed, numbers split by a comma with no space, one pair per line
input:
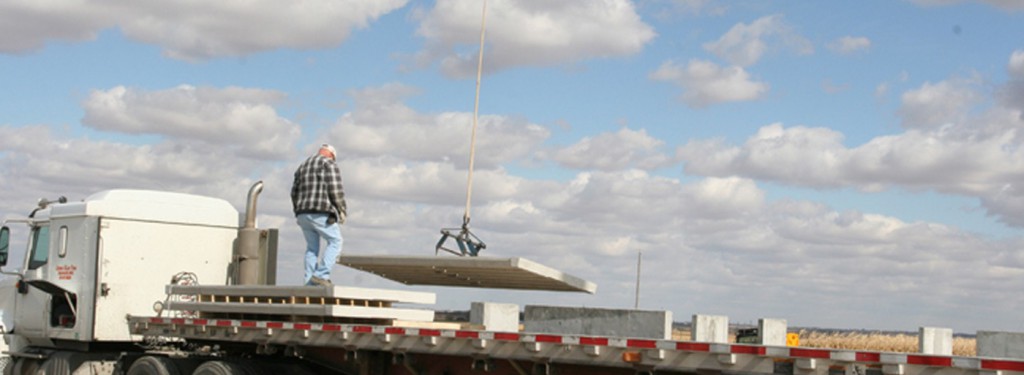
[468,243]
[476,113]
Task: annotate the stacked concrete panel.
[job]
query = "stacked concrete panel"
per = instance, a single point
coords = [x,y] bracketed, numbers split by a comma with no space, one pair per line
[299,301]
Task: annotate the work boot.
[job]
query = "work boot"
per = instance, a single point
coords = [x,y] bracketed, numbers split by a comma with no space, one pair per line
[321,282]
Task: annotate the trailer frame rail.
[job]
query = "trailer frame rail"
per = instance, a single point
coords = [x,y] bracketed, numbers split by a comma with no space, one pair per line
[639,353]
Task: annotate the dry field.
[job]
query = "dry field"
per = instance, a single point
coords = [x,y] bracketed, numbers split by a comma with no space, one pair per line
[874,341]
[869,341]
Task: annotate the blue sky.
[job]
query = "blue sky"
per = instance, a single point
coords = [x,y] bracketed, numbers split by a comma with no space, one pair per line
[770,158]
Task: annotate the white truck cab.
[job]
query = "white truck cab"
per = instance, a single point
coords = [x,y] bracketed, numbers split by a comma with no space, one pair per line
[89,264]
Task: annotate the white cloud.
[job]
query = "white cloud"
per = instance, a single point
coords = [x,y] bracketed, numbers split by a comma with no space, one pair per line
[242,118]
[977,155]
[1012,95]
[191,30]
[849,45]
[26,25]
[399,180]
[704,83]
[623,149]
[940,104]
[530,33]
[81,165]
[521,32]
[811,156]
[724,198]
[948,161]
[1016,65]
[381,124]
[1006,202]
[744,44]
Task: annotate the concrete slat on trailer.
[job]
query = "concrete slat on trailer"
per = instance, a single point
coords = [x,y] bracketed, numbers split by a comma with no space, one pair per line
[388,295]
[332,311]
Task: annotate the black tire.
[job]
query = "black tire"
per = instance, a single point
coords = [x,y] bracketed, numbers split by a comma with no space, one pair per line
[221,368]
[25,366]
[153,365]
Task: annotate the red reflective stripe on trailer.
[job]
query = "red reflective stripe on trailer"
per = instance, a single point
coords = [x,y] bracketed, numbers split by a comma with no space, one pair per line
[362,329]
[506,336]
[868,357]
[743,349]
[991,364]
[467,334]
[648,344]
[332,327]
[156,320]
[600,341]
[275,325]
[302,326]
[430,332]
[395,330]
[929,361]
[549,338]
[693,346]
[178,321]
[199,322]
[248,323]
[810,353]
[224,323]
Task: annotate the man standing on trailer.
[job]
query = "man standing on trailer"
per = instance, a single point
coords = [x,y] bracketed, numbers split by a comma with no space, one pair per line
[318,201]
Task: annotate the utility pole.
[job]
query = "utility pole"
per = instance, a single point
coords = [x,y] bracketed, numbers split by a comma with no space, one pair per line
[639,257]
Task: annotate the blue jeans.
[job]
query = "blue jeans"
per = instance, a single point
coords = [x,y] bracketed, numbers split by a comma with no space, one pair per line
[314,227]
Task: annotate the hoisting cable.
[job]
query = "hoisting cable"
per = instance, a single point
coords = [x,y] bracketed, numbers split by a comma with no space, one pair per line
[468,243]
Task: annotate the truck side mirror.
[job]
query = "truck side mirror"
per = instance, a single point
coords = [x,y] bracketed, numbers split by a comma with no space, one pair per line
[5,241]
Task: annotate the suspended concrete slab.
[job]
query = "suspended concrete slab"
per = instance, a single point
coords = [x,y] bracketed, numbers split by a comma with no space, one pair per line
[470,272]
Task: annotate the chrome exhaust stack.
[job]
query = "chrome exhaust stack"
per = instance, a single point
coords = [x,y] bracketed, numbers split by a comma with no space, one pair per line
[255,253]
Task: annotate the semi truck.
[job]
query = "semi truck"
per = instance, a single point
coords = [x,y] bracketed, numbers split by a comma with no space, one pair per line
[151,282]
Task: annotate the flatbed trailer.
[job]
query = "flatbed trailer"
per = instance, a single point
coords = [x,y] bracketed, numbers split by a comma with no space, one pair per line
[385,349]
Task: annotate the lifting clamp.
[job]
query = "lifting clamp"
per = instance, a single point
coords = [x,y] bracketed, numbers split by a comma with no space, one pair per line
[468,243]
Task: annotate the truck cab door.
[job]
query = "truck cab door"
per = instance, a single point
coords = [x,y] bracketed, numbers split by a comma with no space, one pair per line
[33,305]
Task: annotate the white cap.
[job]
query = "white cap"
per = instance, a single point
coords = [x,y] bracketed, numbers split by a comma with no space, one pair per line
[328,148]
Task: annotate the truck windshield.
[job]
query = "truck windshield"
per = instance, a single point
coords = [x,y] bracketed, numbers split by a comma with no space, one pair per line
[40,247]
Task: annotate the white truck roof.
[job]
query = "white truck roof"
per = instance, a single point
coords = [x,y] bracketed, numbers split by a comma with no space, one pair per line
[151,205]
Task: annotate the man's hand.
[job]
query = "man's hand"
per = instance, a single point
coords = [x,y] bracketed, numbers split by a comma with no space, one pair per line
[342,212]
[339,215]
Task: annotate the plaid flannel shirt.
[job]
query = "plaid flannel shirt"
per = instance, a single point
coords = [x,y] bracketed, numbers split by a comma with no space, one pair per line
[317,188]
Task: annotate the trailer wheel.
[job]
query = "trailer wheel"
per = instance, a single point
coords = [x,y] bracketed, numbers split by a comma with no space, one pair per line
[24,366]
[222,368]
[153,365]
